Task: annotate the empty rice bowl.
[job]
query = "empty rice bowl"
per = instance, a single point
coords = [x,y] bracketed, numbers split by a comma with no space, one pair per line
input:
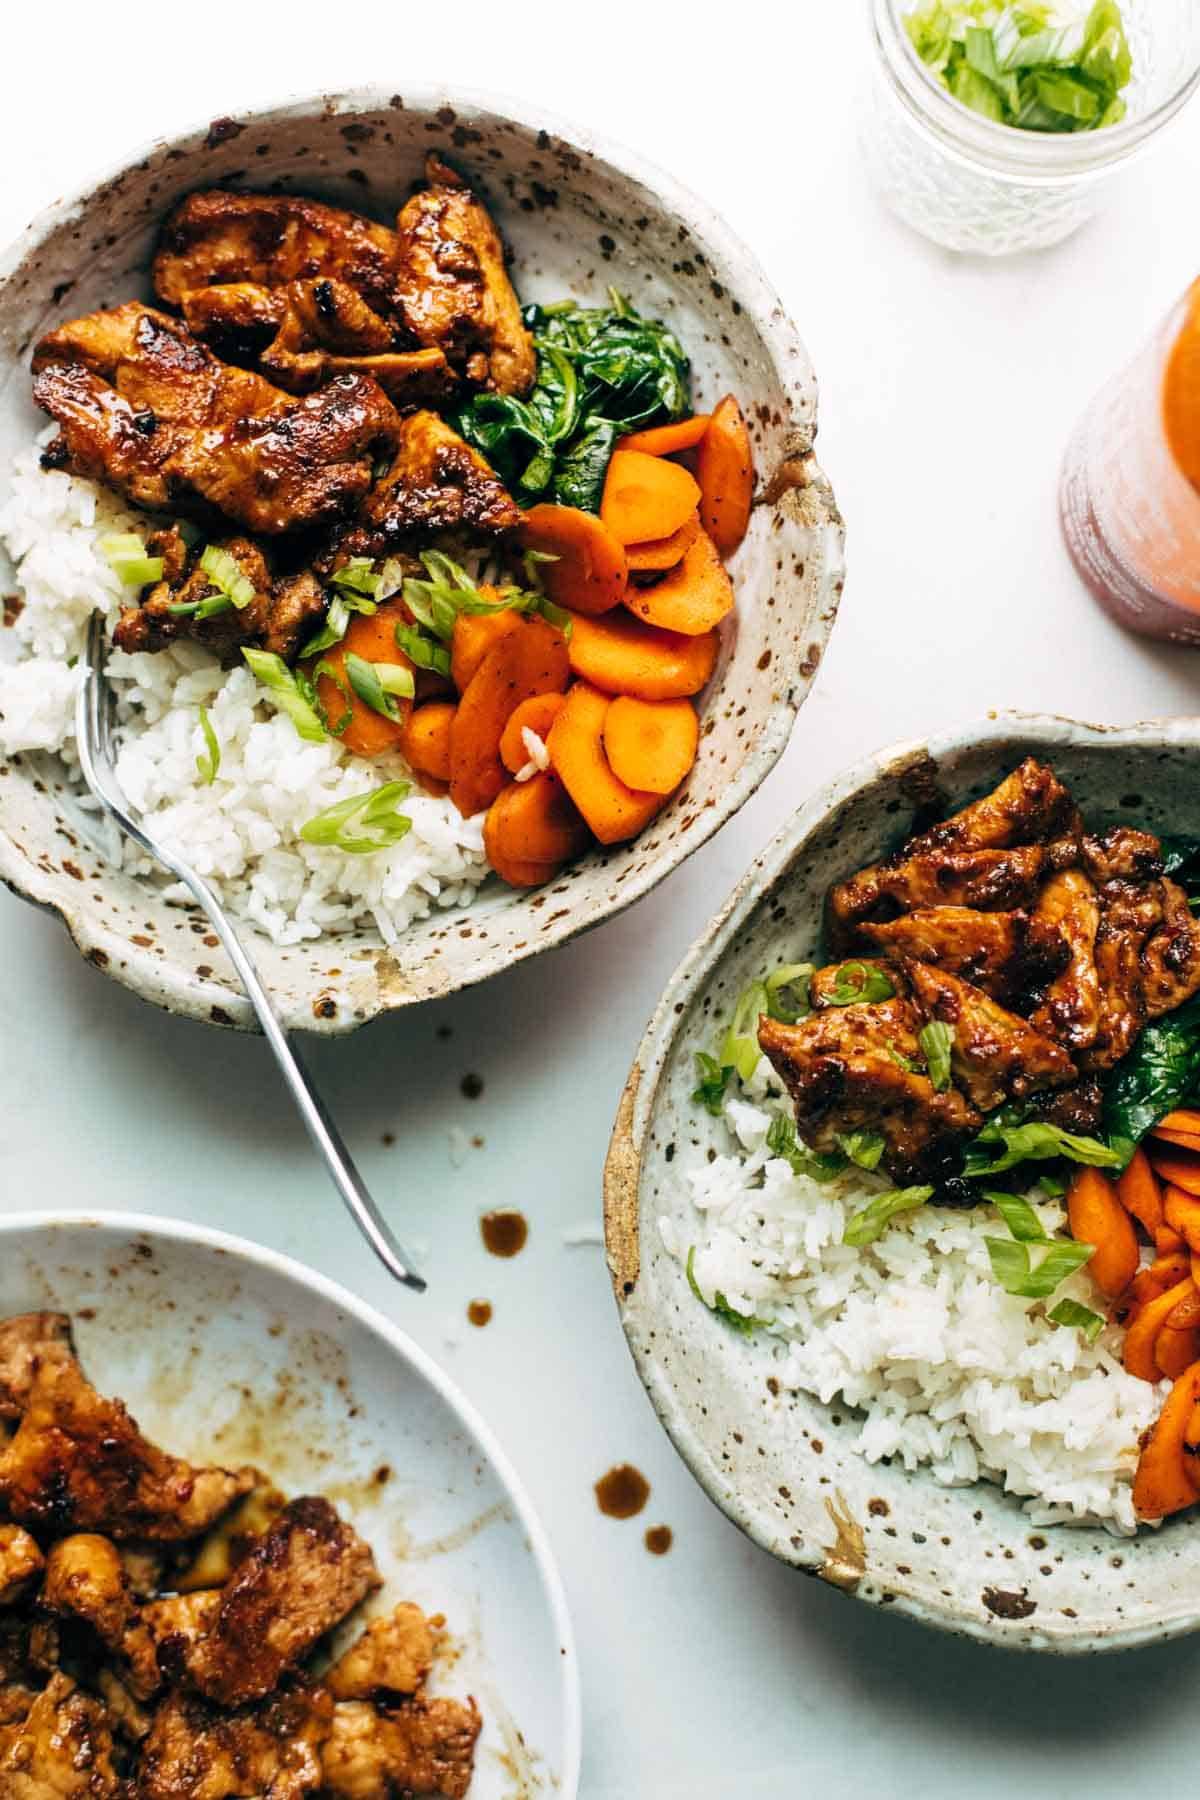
[241,830]
[949,1372]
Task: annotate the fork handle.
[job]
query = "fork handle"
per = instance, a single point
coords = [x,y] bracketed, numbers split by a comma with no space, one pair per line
[321,1128]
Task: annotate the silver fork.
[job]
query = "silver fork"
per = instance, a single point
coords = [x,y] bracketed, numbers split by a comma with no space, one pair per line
[94,733]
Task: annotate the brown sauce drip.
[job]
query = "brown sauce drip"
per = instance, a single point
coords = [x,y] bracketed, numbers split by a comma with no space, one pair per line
[479,1312]
[622,1493]
[504,1233]
[659,1539]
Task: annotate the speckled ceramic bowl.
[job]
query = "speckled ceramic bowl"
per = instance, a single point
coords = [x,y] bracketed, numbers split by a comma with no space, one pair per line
[230,1353]
[578,216]
[783,1466]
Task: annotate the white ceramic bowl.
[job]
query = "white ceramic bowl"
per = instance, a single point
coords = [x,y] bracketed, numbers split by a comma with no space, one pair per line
[228,1352]
[579,216]
[783,1466]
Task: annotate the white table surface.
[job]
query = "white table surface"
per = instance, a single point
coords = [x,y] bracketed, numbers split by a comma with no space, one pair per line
[948,387]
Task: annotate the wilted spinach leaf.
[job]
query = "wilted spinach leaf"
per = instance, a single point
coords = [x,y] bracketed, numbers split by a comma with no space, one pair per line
[602,371]
[1159,1073]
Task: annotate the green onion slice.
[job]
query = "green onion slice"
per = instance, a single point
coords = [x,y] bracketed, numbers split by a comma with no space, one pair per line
[1069,1312]
[744,1323]
[863,1148]
[857,981]
[226,575]
[363,824]
[1020,1218]
[334,674]
[358,580]
[739,1049]
[290,692]
[422,651]
[378,684]
[712,1080]
[1017,1273]
[787,992]
[208,608]
[210,761]
[872,1220]
[937,1041]
[783,1142]
[337,619]
[125,554]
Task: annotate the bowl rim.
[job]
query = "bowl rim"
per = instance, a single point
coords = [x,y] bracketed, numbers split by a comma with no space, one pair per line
[158,979]
[623,1164]
[275,1262]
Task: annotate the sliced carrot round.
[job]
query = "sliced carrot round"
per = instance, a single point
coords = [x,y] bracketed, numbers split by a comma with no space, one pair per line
[1097,1217]
[1176,1350]
[646,497]
[535,822]
[692,598]
[613,811]
[536,714]
[1137,1352]
[1138,1192]
[530,660]
[1162,1483]
[667,440]
[589,573]
[725,467]
[651,744]
[659,554]
[425,744]
[474,635]
[624,655]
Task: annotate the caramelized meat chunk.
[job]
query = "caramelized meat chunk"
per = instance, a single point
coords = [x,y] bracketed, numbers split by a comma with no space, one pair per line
[1122,854]
[424,1747]
[1079,1109]
[297,1582]
[393,1656]
[86,1579]
[856,1068]
[1070,1008]
[996,1056]
[146,408]
[437,482]
[1171,958]
[21,1563]
[988,880]
[271,1752]
[1030,806]
[453,289]
[283,613]
[79,1462]
[26,1342]
[215,237]
[1007,954]
[1129,914]
[62,1749]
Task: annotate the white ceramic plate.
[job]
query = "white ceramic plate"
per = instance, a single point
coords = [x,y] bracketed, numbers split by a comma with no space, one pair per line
[227,1352]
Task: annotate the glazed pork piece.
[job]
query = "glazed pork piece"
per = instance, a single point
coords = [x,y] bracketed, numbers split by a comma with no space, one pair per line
[113,1686]
[305,291]
[437,482]
[145,407]
[1043,949]
[283,614]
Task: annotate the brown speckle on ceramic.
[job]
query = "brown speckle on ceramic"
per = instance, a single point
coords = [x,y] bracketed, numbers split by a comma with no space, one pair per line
[964,1558]
[577,215]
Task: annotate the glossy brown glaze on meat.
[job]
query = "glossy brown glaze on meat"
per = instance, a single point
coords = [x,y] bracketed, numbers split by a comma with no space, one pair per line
[284,613]
[437,482]
[1042,948]
[115,1687]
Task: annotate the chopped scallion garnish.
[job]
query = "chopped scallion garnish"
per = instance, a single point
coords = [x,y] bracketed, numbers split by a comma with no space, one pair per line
[379,684]
[857,981]
[872,1220]
[125,554]
[1088,1323]
[291,692]
[863,1148]
[363,824]
[937,1041]
[210,761]
[742,1322]
[225,573]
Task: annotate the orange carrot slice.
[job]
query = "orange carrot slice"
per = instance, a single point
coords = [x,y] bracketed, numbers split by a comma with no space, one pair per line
[474,635]
[1138,1192]
[662,553]
[1162,1484]
[1181,1211]
[725,466]
[1180,1140]
[1187,1313]
[614,811]
[1167,1239]
[373,638]
[651,744]
[645,497]
[1175,1351]
[1184,1118]
[531,660]
[533,822]
[590,572]
[1177,1168]
[537,715]
[667,440]
[1140,1337]
[425,744]
[622,655]
[1097,1217]
[692,598]
[1148,1283]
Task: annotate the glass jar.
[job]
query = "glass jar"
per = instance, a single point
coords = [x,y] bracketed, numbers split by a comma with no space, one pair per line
[972,184]
[1130,515]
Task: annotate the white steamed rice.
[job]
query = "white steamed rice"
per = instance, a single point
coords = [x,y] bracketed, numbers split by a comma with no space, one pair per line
[947,1371]
[242,831]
